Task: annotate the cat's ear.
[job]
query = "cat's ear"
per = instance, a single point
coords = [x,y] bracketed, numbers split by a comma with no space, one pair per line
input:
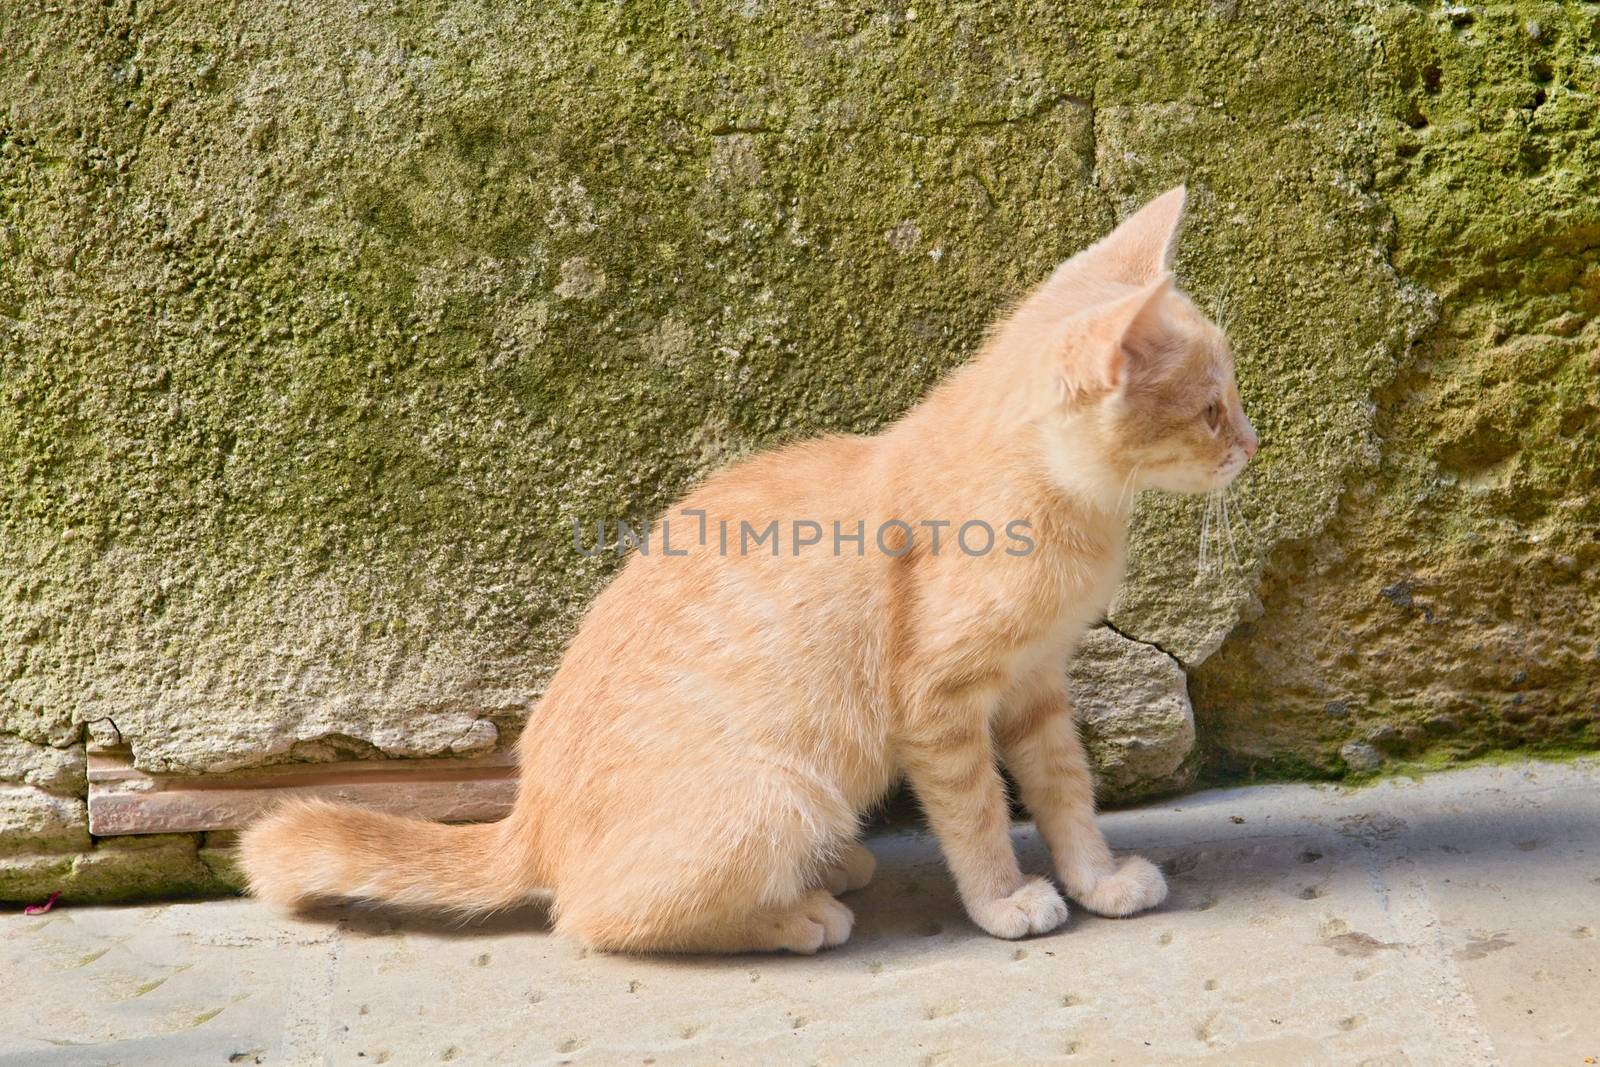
[1140,250]
[1111,342]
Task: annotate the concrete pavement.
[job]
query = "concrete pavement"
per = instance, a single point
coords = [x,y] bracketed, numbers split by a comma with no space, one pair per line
[1450,920]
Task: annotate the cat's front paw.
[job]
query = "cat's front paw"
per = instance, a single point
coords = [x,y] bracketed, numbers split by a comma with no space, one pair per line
[1133,887]
[1036,908]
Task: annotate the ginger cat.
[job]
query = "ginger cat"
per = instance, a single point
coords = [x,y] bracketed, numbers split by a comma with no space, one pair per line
[694,777]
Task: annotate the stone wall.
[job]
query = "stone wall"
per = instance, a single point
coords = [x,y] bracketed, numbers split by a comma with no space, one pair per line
[321,323]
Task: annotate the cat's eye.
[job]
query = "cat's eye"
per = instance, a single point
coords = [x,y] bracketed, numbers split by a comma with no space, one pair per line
[1214,415]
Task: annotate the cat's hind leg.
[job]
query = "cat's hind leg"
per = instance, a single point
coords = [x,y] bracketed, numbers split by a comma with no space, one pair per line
[729,863]
[851,868]
[816,921]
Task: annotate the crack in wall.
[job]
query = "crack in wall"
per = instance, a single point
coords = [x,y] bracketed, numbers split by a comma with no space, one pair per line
[103,732]
[1109,625]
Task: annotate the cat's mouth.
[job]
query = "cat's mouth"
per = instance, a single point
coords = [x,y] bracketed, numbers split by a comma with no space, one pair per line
[1229,468]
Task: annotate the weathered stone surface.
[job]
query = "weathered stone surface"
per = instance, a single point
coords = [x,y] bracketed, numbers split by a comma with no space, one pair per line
[1459,579]
[119,868]
[1360,756]
[157,865]
[33,820]
[56,770]
[219,852]
[319,325]
[330,322]
[1132,703]
[32,876]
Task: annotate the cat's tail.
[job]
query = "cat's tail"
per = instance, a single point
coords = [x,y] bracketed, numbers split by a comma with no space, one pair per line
[310,850]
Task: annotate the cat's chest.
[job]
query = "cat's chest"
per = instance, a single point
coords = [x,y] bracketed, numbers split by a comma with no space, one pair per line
[1076,587]
[1041,618]
[1081,588]
[988,623]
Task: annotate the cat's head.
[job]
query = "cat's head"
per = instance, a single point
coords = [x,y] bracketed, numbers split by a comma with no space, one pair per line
[1138,366]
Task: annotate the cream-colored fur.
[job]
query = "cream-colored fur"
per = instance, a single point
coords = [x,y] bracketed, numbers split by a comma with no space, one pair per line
[693,778]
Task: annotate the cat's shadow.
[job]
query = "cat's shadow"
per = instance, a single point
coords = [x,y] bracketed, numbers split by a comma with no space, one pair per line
[383,920]
[1211,861]
[912,897]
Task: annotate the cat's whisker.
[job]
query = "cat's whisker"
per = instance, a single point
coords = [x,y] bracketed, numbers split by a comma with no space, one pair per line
[1125,497]
[1219,527]
[1205,531]
[1216,522]
[1227,529]
[1218,557]
[1220,522]
[1249,531]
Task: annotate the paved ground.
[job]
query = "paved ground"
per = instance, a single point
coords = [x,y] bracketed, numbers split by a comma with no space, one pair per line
[1447,921]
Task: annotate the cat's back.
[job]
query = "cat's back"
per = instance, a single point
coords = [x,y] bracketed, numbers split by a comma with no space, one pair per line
[767,559]
[830,474]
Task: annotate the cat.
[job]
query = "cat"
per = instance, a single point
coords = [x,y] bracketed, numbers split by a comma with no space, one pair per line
[694,777]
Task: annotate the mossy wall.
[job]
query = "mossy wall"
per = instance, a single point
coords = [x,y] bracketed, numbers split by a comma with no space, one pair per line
[321,323]
[1449,607]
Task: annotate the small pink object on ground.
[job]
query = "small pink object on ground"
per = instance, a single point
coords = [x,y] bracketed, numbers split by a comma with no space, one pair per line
[40,909]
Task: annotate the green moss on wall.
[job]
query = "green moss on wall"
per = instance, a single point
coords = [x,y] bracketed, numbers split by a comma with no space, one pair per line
[1449,608]
[319,325]
[121,868]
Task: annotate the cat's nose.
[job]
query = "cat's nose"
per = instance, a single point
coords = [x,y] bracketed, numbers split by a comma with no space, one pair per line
[1249,441]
